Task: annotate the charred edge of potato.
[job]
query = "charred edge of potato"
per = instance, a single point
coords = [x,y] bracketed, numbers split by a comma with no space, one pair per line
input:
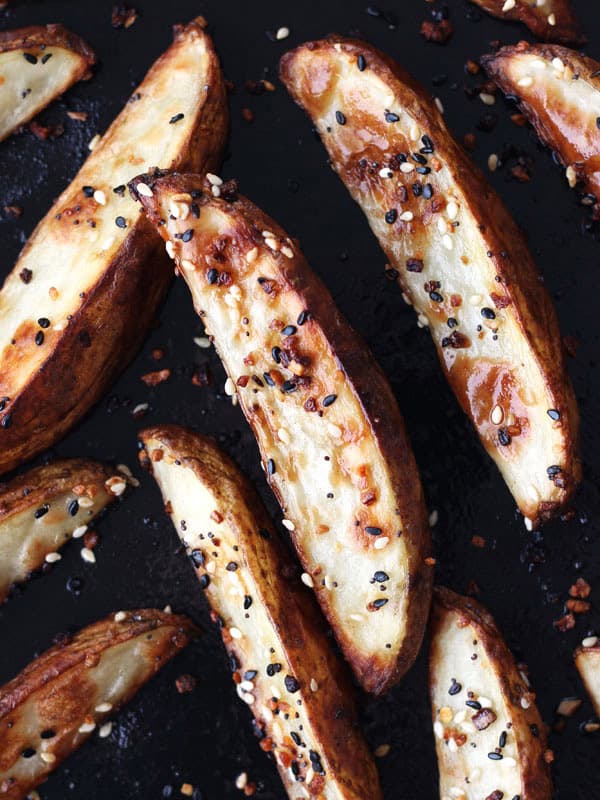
[107,327]
[58,700]
[271,627]
[522,293]
[371,397]
[41,509]
[43,36]
[524,733]
[554,21]
[587,661]
[575,149]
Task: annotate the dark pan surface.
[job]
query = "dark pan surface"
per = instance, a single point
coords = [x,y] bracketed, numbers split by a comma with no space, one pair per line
[164,739]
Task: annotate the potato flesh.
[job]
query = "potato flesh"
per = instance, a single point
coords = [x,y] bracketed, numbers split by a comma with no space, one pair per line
[67,259]
[587,660]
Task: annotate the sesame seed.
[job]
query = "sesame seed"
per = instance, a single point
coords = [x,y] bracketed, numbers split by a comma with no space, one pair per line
[88,555]
[340,118]
[314,686]
[79,531]
[30,58]
[447,241]
[361,63]
[492,162]
[120,222]
[282,33]
[590,641]
[120,616]
[571,176]
[386,172]
[94,142]
[406,167]
[48,758]
[52,558]
[487,99]
[170,248]
[497,415]
[288,524]
[100,197]
[390,116]
[438,104]
[391,216]
[407,216]
[241,781]
[452,210]
[213,179]
[381,542]
[525,82]
[144,190]
[87,727]
[235,633]
[103,708]
[382,751]
[229,387]
[551,20]
[509,5]
[252,255]
[176,118]
[287,251]
[105,730]
[307,580]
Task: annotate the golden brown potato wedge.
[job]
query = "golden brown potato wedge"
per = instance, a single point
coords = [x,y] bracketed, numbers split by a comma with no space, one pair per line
[490,739]
[87,284]
[551,20]
[37,65]
[459,257]
[330,433]
[587,661]
[271,626]
[558,90]
[42,509]
[66,694]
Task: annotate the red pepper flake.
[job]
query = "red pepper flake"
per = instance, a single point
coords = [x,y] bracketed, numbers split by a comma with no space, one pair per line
[154,378]
[266,744]
[216,517]
[90,539]
[430,561]
[578,606]
[580,589]
[564,623]
[157,455]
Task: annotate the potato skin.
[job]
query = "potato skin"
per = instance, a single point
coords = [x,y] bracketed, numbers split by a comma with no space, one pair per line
[311,73]
[295,622]
[587,661]
[110,323]
[333,348]
[450,610]
[63,689]
[566,30]
[49,36]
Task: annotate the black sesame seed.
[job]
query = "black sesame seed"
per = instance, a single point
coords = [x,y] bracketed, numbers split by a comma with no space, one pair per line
[302,317]
[212,276]
[534,730]
[488,313]
[502,739]
[379,603]
[291,684]
[187,235]
[340,118]
[197,557]
[361,63]
[373,531]
[44,322]
[423,170]
[504,437]
[73,508]
[417,189]
[401,158]
[273,669]
[231,567]
[391,274]
[598,122]
[473,704]
[451,322]
[175,119]
[436,297]
[250,674]
[495,756]
[88,191]
[428,191]
[287,387]
[295,738]
[329,400]
[427,144]
[120,222]
[204,581]
[271,467]
[381,577]
[553,471]
[455,687]
[29,752]
[276,354]
[391,216]
[6,421]
[46,58]
[30,58]
[554,414]
[289,330]
[268,379]
[247,602]
[39,338]
[120,190]
[315,760]
[414,265]
[47,734]
[420,159]
[390,116]
[41,511]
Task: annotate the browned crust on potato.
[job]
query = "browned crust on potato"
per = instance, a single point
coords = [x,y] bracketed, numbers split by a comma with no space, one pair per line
[375,396]
[580,656]
[534,769]
[566,30]
[293,612]
[110,324]
[42,36]
[513,263]
[559,130]
[41,484]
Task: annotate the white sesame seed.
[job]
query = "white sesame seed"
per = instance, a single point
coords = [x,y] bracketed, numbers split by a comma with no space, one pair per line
[551,20]
[460,717]
[144,190]
[382,751]
[508,761]
[438,729]
[100,197]
[202,341]
[590,641]
[79,531]
[213,179]
[235,633]
[487,99]
[452,746]
[497,415]
[439,105]
[525,82]
[103,708]
[105,730]
[381,542]
[307,580]
[314,686]
[525,703]
[386,172]
[48,758]
[88,555]
[433,518]
[492,162]
[241,781]
[452,210]
[229,387]
[414,132]
[282,33]
[139,409]
[87,727]
[115,486]
[484,702]
[94,141]
[268,235]
[284,435]
[287,251]
[251,255]
[52,558]
[571,175]
[216,191]
[509,5]
[407,216]
[558,64]
[167,609]
[447,241]
[170,248]
[85,502]
[273,244]
[246,686]
[288,524]
[422,321]
[442,225]
[475,299]
[528,523]
[407,167]
[328,582]
[120,616]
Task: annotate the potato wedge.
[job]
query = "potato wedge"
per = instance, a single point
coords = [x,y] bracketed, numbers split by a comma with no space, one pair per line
[551,20]
[87,284]
[271,627]
[62,697]
[459,257]
[558,90]
[587,661]
[42,509]
[489,736]
[37,65]
[329,430]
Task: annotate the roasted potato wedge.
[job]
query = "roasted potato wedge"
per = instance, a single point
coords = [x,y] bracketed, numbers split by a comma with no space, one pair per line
[459,257]
[558,90]
[331,436]
[551,20]
[42,509]
[87,284]
[56,702]
[587,661]
[490,739]
[271,626]
[37,65]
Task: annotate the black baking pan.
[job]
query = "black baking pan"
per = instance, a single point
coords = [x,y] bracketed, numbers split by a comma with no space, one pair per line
[204,738]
